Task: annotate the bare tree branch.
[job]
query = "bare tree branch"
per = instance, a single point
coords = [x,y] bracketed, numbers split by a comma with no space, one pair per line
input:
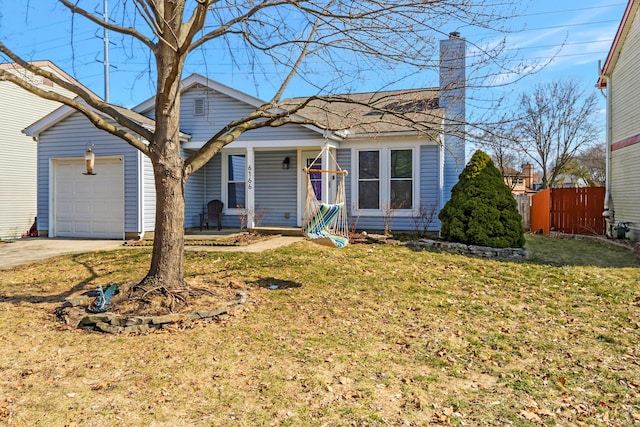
[96,20]
[88,97]
[97,120]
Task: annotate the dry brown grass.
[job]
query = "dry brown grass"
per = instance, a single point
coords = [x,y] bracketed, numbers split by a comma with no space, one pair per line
[369,335]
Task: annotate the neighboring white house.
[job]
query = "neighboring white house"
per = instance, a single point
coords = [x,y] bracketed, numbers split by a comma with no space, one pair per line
[18,171]
[260,176]
[620,77]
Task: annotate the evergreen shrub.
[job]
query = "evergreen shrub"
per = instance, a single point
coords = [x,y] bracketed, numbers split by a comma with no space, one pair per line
[482,211]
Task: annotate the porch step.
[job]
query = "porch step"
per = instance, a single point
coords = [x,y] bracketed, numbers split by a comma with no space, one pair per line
[284,231]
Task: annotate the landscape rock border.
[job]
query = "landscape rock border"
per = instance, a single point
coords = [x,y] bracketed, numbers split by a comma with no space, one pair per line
[458,248]
[74,313]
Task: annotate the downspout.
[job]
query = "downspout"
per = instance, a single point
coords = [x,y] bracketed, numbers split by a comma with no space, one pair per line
[608,212]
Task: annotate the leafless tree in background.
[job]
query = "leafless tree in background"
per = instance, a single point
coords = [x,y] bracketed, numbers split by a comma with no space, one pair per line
[497,140]
[554,123]
[590,165]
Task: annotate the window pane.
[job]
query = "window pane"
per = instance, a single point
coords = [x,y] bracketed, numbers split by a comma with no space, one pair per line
[401,191]
[236,167]
[236,195]
[316,177]
[401,164]
[368,165]
[368,195]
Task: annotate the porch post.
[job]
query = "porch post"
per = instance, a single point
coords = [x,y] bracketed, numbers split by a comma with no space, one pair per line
[250,188]
[325,176]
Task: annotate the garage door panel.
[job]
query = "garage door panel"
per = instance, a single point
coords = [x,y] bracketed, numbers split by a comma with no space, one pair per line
[89,206]
[82,227]
[64,227]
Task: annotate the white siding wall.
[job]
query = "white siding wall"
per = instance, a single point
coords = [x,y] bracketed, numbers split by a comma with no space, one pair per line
[625,108]
[68,139]
[149,191]
[19,109]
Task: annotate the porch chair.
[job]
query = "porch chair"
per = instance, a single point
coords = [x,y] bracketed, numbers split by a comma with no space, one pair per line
[214,212]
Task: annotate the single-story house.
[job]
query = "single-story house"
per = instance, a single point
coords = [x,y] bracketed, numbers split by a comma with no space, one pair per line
[260,177]
[620,79]
[18,172]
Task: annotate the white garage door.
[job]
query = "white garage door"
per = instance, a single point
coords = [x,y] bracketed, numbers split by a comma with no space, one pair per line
[89,206]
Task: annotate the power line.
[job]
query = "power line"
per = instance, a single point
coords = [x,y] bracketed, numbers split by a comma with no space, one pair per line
[554,12]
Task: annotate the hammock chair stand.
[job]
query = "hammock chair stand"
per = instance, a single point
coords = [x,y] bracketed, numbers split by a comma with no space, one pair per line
[326,224]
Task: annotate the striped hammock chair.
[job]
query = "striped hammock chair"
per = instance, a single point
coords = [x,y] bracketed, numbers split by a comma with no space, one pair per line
[326,224]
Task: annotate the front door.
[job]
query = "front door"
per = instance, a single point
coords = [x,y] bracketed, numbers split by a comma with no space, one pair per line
[316,178]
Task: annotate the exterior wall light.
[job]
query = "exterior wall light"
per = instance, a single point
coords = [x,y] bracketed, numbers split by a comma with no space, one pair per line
[89,160]
[285,163]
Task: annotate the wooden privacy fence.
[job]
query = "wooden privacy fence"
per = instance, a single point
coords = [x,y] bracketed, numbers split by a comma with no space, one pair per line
[524,207]
[569,210]
[540,208]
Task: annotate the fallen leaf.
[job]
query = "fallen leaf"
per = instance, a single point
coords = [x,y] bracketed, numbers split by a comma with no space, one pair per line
[530,416]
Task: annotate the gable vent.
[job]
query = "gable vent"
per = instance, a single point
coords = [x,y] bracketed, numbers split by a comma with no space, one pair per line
[199,107]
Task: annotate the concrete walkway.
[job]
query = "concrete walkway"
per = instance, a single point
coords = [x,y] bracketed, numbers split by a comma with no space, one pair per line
[33,249]
[29,250]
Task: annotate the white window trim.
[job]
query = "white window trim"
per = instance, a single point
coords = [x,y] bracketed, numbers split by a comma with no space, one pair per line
[385,179]
[225,181]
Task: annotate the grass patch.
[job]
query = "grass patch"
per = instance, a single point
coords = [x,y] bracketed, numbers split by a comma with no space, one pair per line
[368,335]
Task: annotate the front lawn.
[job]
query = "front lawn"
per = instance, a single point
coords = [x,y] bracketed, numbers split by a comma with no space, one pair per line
[365,336]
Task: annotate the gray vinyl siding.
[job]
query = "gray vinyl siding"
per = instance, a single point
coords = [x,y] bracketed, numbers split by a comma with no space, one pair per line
[68,139]
[343,157]
[202,187]
[430,183]
[221,110]
[193,197]
[624,93]
[276,189]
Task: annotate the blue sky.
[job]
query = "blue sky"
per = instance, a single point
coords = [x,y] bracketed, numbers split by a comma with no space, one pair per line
[577,33]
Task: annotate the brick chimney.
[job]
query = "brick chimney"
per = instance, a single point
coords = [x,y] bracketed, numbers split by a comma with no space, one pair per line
[527,173]
[452,98]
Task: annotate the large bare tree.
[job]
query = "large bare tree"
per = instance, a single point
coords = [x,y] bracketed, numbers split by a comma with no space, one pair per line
[554,123]
[344,37]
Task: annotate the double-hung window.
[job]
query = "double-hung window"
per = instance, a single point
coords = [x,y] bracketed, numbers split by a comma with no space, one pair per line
[401,179]
[386,179]
[236,177]
[369,179]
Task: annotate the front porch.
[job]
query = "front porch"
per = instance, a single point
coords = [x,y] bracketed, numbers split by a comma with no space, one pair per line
[262,189]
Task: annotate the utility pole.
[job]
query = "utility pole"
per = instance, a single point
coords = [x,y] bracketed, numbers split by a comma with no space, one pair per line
[106,52]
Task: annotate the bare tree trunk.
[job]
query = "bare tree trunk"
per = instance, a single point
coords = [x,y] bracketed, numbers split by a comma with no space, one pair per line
[167,266]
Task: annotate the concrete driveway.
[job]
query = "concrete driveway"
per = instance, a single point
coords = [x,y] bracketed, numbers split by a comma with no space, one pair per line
[28,250]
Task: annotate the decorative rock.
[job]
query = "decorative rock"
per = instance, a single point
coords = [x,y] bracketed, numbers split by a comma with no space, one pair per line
[137,320]
[94,319]
[79,300]
[77,317]
[108,328]
[137,329]
[168,318]
[207,314]
[461,248]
